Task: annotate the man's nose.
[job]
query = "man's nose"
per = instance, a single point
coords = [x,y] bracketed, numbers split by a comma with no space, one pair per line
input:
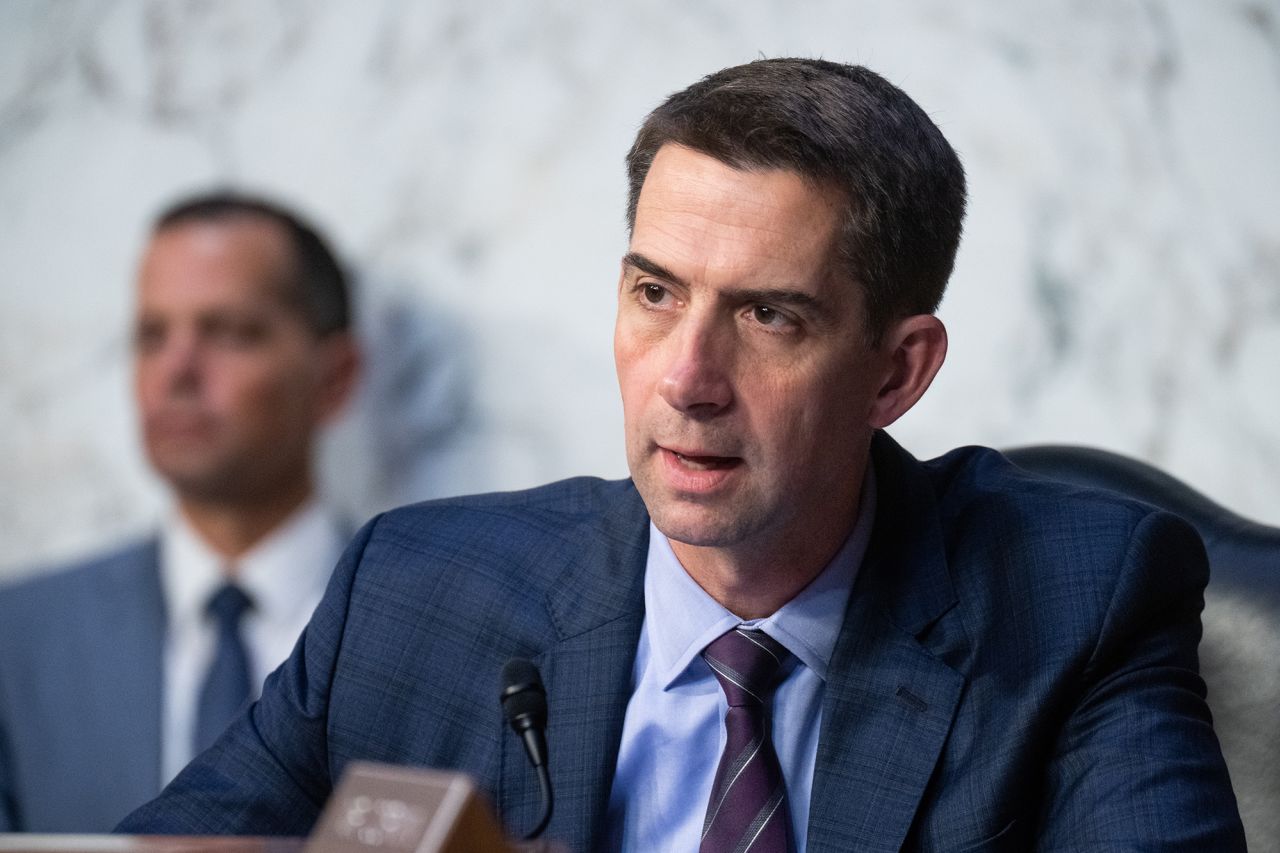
[696,378]
[181,362]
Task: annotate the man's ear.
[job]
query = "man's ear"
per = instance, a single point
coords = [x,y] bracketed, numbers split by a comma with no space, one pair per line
[914,348]
[338,363]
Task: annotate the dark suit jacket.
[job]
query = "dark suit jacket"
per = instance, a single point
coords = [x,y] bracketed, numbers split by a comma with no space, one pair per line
[80,672]
[1017,667]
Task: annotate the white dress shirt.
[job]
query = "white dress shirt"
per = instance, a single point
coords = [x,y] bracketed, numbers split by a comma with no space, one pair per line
[673,732]
[285,575]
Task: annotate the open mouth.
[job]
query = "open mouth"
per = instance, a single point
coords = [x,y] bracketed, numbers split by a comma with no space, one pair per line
[705,463]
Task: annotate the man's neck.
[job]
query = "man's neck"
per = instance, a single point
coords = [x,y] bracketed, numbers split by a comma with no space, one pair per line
[232,528]
[753,580]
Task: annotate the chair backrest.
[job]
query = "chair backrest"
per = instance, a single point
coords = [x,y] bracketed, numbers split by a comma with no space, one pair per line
[1240,651]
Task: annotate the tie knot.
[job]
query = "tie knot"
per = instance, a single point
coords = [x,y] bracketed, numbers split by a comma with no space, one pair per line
[747,663]
[228,604]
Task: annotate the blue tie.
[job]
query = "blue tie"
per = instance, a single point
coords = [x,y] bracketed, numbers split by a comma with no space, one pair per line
[227,685]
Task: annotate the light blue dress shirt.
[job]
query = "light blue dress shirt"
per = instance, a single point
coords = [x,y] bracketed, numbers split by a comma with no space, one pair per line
[673,733]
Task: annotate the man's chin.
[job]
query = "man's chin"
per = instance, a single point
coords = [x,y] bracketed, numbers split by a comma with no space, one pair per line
[202,483]
[699,526]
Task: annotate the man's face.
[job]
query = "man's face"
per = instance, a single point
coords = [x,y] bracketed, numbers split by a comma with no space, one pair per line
[230,381]
[746,381]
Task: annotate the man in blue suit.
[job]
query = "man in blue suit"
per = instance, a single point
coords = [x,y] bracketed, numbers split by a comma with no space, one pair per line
[783,632]
[112,675]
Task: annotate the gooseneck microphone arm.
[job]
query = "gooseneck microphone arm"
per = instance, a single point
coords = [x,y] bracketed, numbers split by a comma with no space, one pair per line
[524,703]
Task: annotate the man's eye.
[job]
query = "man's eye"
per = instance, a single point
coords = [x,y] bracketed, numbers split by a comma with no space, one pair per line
[766,316]
[237,333]
[654,293]
[148,337]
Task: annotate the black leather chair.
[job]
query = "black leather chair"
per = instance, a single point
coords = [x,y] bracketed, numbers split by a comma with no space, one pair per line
[1240,651]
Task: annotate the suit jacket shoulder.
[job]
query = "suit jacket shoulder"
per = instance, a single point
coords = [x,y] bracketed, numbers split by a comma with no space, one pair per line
[80,658]
[1018,668]
[29,600]
[508,550]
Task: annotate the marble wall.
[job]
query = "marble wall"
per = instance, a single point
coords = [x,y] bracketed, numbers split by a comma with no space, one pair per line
[1119,284]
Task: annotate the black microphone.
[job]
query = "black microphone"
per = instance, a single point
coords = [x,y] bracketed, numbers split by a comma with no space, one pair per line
[524,703]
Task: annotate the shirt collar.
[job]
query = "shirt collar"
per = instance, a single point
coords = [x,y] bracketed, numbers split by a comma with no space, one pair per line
[274,572]
[682,618]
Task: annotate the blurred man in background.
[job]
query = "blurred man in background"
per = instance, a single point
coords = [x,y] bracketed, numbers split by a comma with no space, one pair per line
[115,672]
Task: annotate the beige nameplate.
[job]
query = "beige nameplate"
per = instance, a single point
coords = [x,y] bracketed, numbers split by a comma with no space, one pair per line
[378,808]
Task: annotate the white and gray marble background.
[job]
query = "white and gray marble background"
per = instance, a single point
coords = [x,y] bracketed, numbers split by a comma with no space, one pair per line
[1119,284]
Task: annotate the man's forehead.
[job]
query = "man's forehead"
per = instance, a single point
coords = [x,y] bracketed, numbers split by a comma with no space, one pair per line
[209,261]
[707,162]
[681,179]
[247,235]
[695,210]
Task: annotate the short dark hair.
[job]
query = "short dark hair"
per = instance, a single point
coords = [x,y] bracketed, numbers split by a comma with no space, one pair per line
[319,283]
[846,128]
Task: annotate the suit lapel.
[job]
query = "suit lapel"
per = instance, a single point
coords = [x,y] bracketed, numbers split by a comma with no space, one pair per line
[890,698]
[597,606]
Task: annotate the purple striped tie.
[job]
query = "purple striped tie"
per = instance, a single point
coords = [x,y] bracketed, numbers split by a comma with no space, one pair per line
[748,807]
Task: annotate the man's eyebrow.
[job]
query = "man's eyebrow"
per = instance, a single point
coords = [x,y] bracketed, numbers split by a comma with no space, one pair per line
[645,265]
[775,296]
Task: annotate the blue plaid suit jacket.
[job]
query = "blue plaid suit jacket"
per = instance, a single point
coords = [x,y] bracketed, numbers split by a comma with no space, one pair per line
[1017,669]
